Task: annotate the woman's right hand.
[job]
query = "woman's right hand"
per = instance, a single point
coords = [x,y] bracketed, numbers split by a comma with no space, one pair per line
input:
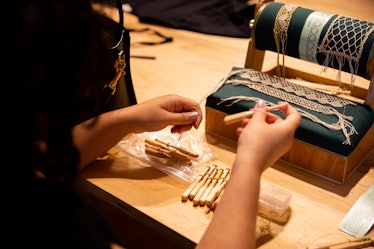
[265,137]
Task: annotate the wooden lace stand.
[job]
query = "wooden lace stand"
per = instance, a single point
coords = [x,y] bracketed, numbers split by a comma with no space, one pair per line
[328,165]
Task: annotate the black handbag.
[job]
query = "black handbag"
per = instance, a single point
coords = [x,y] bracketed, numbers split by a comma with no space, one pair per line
[119,92]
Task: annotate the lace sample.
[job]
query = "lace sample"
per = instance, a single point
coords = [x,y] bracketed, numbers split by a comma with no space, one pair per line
[344,41]
[281,24]
[290,92]
[311,33]
[287,86]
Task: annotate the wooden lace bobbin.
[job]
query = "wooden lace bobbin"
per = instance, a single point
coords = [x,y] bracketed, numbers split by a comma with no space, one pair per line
[187,152]
[200,193]
[185,195]
[229,119]
[166,154]
[216,191]
[164,150]
[210,187]
[200,184]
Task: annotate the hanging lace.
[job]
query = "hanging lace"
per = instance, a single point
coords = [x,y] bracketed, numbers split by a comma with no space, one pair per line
[344,42]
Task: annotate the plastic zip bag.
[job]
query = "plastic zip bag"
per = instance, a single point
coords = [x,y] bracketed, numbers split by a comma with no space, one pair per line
[135,145]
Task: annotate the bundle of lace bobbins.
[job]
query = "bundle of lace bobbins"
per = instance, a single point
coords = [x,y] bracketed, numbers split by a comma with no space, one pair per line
[165,150]
[207,188]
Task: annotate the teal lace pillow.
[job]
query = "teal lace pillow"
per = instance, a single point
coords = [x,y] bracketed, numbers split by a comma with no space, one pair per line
[329,122]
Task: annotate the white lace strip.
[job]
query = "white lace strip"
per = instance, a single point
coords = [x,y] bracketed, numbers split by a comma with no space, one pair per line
[344,122]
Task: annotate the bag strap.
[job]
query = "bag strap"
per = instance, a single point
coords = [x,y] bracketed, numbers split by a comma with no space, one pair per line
[114,3]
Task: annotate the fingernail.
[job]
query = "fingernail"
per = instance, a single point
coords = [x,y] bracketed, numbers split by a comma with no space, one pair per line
[193,115]
[260,103]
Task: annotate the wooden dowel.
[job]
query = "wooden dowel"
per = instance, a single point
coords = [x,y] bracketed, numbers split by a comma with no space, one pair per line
[350,244]
[229,119]
[193,185]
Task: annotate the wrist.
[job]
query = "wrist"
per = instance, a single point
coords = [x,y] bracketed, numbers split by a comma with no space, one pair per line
[249,163]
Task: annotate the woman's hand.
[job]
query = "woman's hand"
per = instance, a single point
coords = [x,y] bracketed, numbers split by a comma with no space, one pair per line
[266,137]
[180,112]
[94,137]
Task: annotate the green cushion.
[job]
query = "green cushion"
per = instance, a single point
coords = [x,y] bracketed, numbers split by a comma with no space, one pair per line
[308,131]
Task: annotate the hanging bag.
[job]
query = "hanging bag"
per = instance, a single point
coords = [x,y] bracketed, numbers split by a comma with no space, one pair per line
[119,92]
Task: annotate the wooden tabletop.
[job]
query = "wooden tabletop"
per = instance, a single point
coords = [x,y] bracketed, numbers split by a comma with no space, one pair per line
[192,65]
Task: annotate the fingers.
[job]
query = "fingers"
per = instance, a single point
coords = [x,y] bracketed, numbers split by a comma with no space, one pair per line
[186,114]
[190,111]
[197,116]
[292,115]
[290,112]
[192,118]
[186,121]
[261,114]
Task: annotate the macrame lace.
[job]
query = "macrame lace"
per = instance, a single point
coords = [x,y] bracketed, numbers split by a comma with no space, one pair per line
[290,92]
[344,42]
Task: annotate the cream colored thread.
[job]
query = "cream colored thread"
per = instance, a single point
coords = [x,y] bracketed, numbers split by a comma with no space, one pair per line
[287,86]
[343,123]
[281,24]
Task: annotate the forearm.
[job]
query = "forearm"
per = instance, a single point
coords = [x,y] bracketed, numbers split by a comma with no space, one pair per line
[94,138]
[151,115]
[234,221]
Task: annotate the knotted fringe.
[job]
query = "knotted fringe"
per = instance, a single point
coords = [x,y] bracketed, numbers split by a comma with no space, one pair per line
[344,42]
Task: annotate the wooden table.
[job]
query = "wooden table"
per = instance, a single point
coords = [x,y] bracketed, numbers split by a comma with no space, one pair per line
[145,204]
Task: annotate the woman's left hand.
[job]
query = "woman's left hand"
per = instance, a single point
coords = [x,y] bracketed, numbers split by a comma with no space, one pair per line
[180,112]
